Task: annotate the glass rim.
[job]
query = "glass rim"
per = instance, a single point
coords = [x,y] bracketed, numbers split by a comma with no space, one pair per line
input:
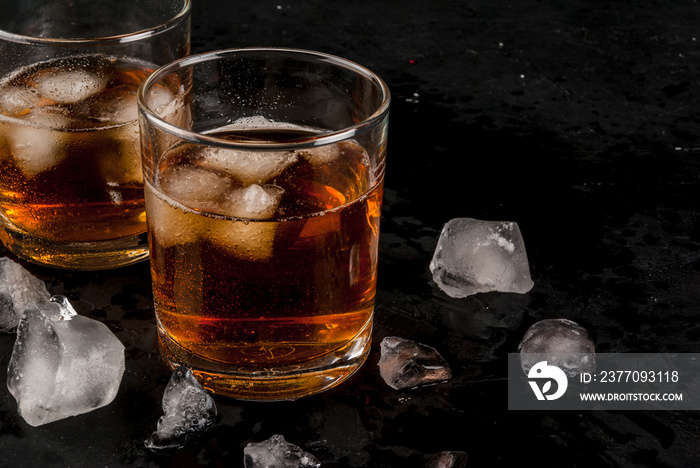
[321,139]
[117,38]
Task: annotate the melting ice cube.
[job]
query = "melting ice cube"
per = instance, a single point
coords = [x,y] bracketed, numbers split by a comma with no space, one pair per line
[252,240]
[18,290]
[173,108]
[169,223]
[69,86]
[321,154]
[62,364]
[253,202]
[188,409]
[16,101]
[276,452]
[195,187]
[448,459]
[114,106]
[406,364]
[246,166]
[120,164]
[474,256]
[38,143]
[562,343]
[158,97]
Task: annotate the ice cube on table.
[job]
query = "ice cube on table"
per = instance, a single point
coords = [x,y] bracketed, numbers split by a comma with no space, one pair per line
[38,142]
[69,86]
[562,343]
[448,459]
[276,452]
[406,364]
[16,101]
[248,167]
[18,290]
[62,364]
[187,410]
[252,240]
[474,256]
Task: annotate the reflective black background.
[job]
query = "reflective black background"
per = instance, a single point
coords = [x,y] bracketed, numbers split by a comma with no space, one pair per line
[577,119]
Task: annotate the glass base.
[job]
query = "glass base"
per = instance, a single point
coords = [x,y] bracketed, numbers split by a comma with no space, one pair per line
[277,383]
[100,255]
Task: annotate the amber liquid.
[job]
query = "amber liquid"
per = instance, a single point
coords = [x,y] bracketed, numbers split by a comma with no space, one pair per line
[275,292]
[71,171]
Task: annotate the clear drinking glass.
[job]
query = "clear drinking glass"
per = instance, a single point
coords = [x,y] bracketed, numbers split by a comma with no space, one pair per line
[263,179]
[71,184]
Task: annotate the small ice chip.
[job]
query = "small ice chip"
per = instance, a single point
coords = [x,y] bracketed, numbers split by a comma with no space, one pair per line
[188,409]
[70,86]
[276,452]
[448,459]
[474,256]
[562,343]
[248,167]
[406,364]
[62,364]
[18,290]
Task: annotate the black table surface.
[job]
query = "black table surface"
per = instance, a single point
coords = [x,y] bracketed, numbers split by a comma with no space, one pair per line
[577,119]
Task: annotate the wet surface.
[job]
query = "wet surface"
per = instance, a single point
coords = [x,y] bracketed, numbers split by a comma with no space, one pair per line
[578,120]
